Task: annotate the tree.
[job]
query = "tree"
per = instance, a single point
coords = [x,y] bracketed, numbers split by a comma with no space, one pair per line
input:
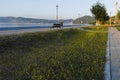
[118,15]
[99,12]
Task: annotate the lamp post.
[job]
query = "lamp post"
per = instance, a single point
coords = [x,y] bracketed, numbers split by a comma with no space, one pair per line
[116,9]
[57,14]
[78,15]
[98,1]
[110,18]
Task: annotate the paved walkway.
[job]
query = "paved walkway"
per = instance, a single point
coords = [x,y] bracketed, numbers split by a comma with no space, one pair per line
[114,38]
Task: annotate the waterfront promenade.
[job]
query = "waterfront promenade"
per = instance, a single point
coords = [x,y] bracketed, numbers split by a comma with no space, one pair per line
[114,45]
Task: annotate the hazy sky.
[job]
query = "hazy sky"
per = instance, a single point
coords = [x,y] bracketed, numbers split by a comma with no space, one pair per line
[46,9]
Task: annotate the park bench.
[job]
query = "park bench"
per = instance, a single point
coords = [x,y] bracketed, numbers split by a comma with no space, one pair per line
[57,25]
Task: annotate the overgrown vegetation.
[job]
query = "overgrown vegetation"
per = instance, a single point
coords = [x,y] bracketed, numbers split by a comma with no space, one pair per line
[58,55]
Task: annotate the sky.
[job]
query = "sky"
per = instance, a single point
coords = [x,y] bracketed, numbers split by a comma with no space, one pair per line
[46,9]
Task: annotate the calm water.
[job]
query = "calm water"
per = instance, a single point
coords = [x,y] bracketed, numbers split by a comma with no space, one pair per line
[30,26]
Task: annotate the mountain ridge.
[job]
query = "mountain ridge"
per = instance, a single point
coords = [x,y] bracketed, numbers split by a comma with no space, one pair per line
[84,20]
[11,19]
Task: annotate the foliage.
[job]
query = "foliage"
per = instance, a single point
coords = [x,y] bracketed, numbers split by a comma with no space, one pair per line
[118,15]
[99,12]
[68,54]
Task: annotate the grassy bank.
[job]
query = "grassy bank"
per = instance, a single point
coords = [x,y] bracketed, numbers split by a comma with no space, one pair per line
[118,28]
[96,28]
[58,55]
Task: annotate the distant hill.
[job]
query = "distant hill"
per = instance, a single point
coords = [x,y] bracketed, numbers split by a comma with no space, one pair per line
[84,20]
[30,20]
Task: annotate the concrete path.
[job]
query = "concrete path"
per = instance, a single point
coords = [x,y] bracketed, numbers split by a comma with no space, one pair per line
[114,39]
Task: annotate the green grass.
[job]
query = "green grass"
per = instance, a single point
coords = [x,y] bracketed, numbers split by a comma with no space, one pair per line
[96,28]
[68,54]
[118,28]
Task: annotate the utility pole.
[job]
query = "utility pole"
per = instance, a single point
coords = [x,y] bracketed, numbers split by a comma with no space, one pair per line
[57,14]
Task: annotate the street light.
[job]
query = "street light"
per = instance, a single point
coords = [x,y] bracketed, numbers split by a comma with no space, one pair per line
[78,15]
[116,10]
[98,1]
[57,14]
[110,19]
